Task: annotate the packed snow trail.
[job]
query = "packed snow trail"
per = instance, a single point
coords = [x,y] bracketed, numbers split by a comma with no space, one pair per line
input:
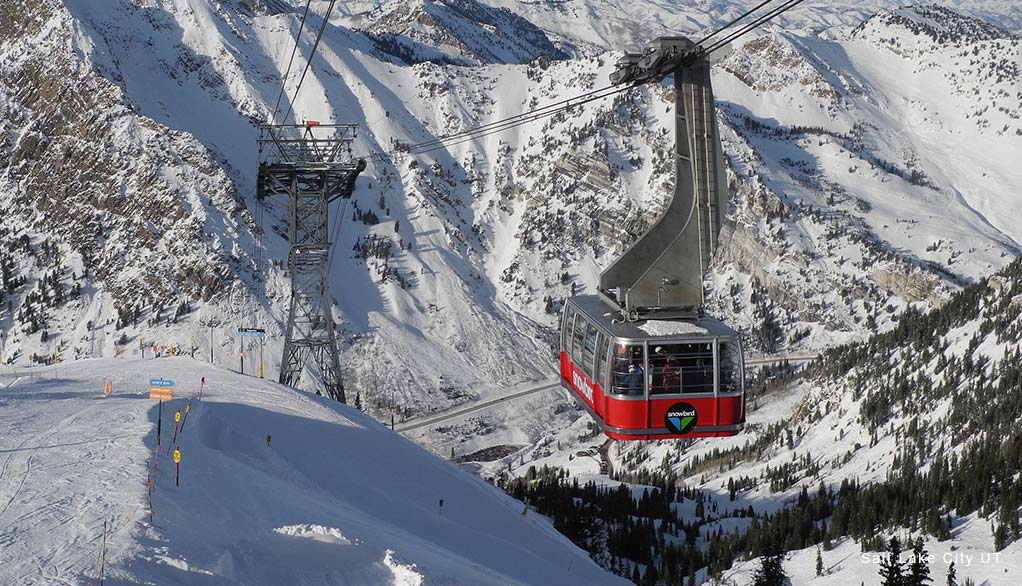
[70,459]
[335,498]
[412,425]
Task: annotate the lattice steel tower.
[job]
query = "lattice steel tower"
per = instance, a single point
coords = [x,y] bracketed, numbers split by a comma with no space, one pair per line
[312,165]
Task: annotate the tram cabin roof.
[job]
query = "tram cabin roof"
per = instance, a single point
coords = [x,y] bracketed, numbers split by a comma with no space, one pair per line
[705,328]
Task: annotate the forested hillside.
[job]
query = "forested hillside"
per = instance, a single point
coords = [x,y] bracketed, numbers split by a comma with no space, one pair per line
[923,429]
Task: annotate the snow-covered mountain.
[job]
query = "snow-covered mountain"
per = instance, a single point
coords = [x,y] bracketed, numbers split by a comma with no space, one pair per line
[458,32]
[593,26]
[872,151]
[873,169]
[274,487]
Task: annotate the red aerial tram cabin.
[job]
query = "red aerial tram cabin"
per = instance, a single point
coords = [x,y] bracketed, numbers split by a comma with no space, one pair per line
[652,379]
[639,355]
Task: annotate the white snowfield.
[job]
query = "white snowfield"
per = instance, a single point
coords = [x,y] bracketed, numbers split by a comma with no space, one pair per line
[335,498]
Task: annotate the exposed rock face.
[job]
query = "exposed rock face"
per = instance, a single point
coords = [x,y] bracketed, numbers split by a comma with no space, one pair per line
[129,196]
[455,31]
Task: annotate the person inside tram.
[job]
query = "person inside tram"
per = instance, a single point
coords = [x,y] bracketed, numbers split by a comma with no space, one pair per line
[664,370]
[627,370]
[671,376]
[634,380]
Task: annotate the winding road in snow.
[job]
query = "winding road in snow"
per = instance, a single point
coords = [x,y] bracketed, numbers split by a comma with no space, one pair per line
[416,424]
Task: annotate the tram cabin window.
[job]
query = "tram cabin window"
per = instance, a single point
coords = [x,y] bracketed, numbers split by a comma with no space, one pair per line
[577,339]
[629,377]
[601,360]
[589,351]
[681,368]
[569,319]
[729,367]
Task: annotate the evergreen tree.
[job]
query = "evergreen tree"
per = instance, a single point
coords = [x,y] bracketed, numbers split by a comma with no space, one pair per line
[919,570]
[952,577]
[891,569]
[770,572]
[819,562]
[598,543]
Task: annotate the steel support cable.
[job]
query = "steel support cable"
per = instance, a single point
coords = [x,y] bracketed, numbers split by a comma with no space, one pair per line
[728,25]
[513,124]
[337,235]
[312,54]
[531,114]
[488,125]
[287,73]
[257,241]
[333,232]
[538,113]
[754,24]
[379,156]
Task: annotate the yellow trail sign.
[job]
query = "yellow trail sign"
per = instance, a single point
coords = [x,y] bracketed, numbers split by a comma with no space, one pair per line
[177,417]
[177,456]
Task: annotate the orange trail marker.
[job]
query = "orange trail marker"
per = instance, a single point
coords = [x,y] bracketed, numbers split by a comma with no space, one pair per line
[107,388]
[161,389]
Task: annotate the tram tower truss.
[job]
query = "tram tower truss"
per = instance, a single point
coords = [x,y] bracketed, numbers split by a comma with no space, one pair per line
[312,165]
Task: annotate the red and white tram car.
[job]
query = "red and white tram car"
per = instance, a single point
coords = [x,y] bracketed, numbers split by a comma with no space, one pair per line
[652,379]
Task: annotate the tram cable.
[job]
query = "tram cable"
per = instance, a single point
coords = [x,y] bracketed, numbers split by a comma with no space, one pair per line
[547,110]
[287,73]
[425,148]
[535,111]
[489,128]
[308,63]
[732,23]
[753,25]
[509,119]
[332,255]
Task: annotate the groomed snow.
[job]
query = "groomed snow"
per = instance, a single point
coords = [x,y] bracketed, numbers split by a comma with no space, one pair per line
[335,498]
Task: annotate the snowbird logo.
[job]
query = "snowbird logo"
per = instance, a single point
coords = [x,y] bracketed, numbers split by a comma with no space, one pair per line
[582,385]
[680,418]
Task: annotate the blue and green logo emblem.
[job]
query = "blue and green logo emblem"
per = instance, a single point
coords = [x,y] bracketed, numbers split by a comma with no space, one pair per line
[680,418]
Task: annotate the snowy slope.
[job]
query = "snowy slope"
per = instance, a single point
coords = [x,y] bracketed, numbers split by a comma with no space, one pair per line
[939,393]
[847,564]
[334,499]
[830,238]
